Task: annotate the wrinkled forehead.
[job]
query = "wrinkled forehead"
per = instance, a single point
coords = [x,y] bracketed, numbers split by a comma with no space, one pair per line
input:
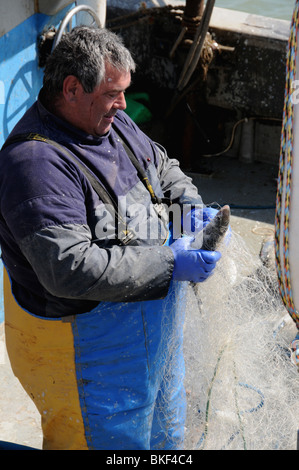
[116,77]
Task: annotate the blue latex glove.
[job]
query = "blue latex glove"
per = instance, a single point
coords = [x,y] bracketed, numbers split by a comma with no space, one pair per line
[192,265]
[192,222]
[196,219]
[208,214]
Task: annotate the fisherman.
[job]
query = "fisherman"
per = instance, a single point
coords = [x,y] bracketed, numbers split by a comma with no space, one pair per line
[94,298]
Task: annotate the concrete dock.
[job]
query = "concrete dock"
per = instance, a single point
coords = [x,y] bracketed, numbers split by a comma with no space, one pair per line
[19,418]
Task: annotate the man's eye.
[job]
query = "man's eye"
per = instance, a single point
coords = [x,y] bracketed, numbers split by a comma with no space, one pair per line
[113,95]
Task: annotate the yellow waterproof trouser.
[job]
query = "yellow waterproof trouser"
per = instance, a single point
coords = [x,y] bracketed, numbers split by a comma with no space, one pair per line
[40,352]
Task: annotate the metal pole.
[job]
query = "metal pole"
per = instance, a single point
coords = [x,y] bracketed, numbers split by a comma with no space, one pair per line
[194,8]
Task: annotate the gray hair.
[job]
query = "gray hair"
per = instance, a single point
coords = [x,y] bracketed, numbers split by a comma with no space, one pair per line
[83,53]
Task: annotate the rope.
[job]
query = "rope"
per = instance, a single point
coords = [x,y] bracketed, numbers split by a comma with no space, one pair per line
[282,216]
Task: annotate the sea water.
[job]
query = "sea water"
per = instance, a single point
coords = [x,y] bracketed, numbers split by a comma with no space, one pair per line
[281,9]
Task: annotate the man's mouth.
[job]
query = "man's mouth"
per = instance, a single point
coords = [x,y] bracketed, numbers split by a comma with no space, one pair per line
[110,116]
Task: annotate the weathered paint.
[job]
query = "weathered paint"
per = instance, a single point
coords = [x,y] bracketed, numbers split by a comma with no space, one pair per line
[20,75]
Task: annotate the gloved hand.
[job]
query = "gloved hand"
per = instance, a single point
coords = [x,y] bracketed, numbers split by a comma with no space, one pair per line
[192,265]
[196,219]
[192,222]
[208,214]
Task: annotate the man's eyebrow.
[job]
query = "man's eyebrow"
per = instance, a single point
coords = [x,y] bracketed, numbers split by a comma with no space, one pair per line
[114,91]
[117,89]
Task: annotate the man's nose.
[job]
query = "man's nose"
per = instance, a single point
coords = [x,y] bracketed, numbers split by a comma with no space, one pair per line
[120,103]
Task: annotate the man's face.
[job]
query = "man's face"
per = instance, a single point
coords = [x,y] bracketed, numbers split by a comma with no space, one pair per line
[95,111]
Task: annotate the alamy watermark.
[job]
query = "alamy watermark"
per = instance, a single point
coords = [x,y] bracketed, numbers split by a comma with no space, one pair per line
[148,222]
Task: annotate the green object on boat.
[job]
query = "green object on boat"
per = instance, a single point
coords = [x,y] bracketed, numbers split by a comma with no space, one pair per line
[137,107]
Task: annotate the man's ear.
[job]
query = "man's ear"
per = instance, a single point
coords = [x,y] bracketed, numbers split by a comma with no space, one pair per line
[71,88]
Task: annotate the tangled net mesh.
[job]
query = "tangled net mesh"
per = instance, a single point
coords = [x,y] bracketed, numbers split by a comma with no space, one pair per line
[242,388]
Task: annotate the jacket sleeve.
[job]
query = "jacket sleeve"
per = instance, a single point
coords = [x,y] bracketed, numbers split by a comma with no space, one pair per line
[76,268]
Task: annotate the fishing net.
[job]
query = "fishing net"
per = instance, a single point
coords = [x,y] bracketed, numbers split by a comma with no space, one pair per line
[242,388]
